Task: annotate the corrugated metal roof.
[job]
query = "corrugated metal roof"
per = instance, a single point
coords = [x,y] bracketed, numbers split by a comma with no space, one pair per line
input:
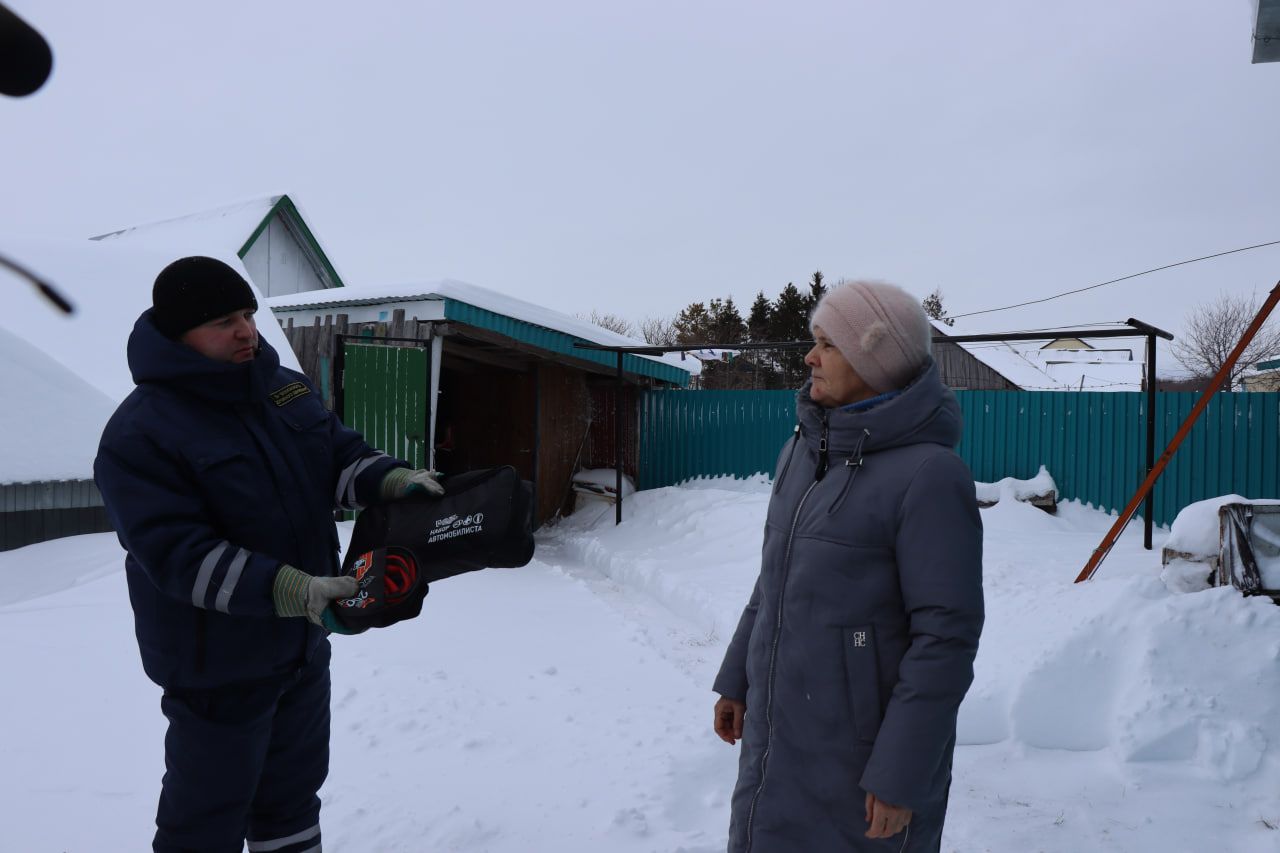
[559,342]
[498,312]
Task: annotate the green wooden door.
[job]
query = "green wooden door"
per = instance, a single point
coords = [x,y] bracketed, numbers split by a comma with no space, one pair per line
[385,397]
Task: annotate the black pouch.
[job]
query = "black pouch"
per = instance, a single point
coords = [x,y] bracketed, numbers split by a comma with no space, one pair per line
[390,589]
[483,520]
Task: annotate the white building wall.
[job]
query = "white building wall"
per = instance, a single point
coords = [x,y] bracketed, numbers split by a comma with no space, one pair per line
[277,263]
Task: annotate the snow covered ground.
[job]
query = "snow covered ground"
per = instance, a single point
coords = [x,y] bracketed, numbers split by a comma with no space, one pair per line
[566,707]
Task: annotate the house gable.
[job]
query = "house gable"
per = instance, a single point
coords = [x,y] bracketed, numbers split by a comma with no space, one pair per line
[283,256]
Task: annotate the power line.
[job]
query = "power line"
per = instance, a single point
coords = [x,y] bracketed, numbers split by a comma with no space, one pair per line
[1115,280]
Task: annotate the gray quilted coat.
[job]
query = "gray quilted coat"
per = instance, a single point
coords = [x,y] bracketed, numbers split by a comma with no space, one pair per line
[858,642]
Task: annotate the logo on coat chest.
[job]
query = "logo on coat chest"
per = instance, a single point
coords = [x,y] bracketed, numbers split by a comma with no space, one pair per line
[286,395]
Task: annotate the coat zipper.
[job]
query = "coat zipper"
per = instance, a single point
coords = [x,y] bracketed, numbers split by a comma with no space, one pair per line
[773,658]
[786,466]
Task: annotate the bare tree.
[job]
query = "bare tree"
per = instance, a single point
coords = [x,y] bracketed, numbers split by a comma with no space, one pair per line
[658,331]
[1212,331]
[612,322]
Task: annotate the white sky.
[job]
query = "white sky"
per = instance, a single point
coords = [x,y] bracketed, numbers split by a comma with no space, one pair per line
[631,158]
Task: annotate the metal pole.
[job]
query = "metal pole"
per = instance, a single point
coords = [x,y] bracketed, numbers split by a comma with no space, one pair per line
[617,442]
[1149,510]
[1109,541]
[1151,333]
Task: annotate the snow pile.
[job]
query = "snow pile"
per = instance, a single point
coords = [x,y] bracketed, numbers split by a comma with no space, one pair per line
[567,706]
[1019,490]
[51,420]
[1195,531]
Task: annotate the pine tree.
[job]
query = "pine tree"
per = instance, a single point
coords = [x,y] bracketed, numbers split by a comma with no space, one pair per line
[693,324]
[763,371]
[759,319]
[790,322]
[727,326]
[816,289]
[932,305]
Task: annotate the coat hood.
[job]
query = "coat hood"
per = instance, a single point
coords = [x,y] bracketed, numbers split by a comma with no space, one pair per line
[925,412]
[159,360]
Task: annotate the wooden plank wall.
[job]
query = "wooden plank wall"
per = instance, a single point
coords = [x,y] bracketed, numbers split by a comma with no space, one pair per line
[599,452]
[564,409]
[961,371]
[314,345]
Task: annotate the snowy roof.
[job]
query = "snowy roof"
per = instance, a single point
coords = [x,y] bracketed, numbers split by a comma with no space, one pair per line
[1091,356]
[226,230]
[450,291]
[1031,367]
[51,419]
[1013,364]
[110,285]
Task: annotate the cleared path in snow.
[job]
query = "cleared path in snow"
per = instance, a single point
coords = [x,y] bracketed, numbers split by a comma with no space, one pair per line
[522,711]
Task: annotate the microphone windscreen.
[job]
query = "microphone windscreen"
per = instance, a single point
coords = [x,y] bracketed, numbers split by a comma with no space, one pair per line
[25,58]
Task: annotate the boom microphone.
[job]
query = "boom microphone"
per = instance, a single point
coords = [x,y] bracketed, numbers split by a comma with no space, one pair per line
[25,58]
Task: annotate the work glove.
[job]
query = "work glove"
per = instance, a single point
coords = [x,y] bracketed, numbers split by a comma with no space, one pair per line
[402,482]
[296,593]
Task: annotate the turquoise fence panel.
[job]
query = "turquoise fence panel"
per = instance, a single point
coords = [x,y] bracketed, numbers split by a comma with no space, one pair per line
[686,434]
[1092,442]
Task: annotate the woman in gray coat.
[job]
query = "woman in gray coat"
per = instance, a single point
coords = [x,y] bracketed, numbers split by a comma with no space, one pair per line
[847,668]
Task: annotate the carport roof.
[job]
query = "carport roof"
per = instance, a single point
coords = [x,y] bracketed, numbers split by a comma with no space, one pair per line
[479,307]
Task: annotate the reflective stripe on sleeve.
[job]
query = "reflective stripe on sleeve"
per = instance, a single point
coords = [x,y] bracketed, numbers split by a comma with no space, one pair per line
[207,566]
[345,496]
[229,582]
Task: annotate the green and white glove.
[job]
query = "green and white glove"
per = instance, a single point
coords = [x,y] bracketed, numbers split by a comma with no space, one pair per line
[296,593]
[402,482]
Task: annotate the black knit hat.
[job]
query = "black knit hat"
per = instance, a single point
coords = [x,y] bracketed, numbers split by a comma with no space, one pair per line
[195,290]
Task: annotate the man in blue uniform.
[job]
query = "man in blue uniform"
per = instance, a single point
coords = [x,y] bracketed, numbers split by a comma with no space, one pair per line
[220,473]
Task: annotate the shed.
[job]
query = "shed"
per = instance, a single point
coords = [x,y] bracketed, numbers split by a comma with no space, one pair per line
[1062,364]
[458,377]
[962,367]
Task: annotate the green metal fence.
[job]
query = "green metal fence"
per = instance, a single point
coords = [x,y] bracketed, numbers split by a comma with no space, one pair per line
[384,397]
[686,434]
[1091,442]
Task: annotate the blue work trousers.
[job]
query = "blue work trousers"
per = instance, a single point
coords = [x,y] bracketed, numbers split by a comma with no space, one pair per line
[244,762]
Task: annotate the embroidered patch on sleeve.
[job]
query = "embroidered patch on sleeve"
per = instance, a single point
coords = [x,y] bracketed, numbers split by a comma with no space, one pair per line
[286,395]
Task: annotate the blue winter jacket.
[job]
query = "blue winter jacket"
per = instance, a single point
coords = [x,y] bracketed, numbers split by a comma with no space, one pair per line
[857,645]
[213,475]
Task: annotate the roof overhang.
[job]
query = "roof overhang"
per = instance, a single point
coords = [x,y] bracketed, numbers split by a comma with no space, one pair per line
[489,327]
[1266,31]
